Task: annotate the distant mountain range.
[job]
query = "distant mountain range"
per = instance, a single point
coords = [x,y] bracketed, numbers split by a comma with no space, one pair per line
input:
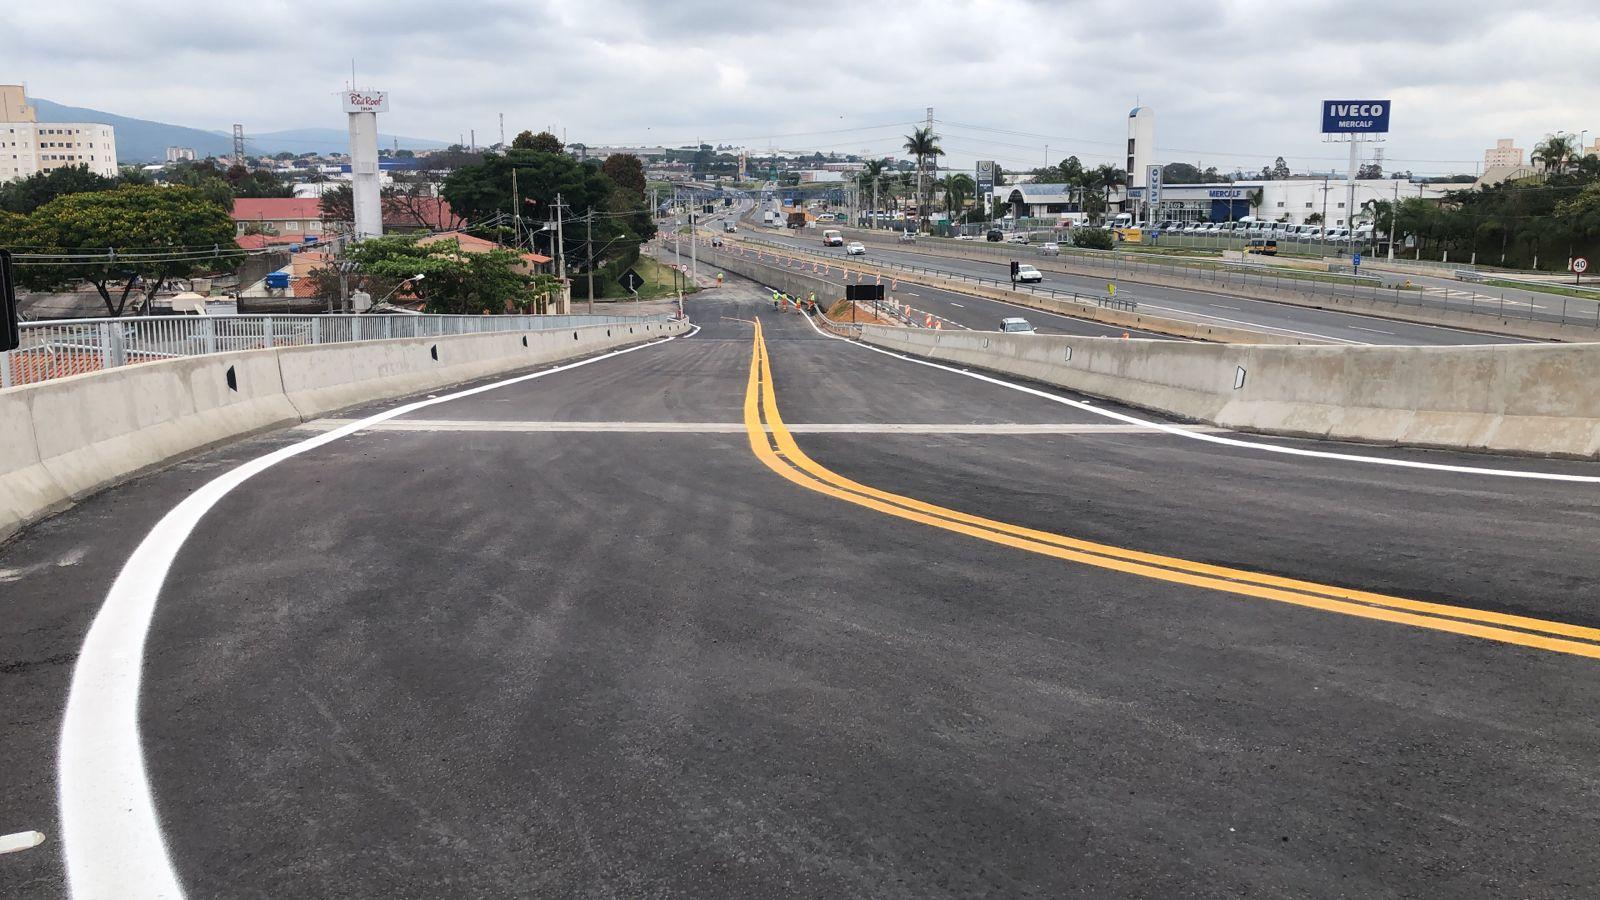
[144,141]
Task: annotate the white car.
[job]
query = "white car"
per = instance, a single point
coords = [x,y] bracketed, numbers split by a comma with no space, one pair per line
[855,248]
[1016,326]
[1050,248]
[1017,239]
[1028,274]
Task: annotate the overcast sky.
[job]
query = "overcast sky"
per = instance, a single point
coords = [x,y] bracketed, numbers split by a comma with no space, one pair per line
[1232,83]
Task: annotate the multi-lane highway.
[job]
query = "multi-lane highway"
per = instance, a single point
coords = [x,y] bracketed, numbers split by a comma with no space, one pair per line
[1181,303]
[760,612]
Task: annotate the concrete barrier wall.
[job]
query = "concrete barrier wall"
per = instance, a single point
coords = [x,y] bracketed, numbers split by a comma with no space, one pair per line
[65,438]
[1529,399]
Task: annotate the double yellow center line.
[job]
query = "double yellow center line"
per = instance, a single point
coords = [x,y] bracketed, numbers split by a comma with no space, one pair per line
[773,444]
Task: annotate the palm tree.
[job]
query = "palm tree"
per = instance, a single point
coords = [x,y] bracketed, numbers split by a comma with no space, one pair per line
[1555,152]
[1256,198]
[871,177]
[924,145]
[957,188]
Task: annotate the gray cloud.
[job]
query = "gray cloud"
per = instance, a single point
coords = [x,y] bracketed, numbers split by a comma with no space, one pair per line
[1233,83]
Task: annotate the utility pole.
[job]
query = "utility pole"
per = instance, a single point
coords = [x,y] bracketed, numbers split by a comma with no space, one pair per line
[561,261]
[588,252]
[502,131]
[874,222]
[516,210]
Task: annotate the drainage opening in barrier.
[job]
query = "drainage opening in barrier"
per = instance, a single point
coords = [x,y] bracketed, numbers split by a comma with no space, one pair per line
[233,380]
[434,352]
[1238,377]
[524,340]
[608,332]
[574,335]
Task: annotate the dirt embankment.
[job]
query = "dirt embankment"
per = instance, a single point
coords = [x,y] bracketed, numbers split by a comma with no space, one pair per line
[840,312]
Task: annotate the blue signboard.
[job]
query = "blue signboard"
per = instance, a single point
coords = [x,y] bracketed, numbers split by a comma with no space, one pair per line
[1355,260]
[1355,117]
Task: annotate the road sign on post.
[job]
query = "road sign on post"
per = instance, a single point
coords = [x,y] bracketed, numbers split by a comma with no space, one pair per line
[631,281]
[1579,266]
[10,333]
[1355,261]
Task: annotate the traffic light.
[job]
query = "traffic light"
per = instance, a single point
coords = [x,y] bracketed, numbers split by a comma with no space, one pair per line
[1014,269]
[10,333]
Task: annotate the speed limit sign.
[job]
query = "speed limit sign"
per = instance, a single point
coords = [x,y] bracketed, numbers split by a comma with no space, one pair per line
[1580,265]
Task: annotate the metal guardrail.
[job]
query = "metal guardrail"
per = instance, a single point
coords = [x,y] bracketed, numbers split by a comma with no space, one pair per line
[58,348]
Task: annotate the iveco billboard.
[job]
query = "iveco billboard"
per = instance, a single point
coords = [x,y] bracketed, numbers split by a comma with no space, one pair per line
[1355,117]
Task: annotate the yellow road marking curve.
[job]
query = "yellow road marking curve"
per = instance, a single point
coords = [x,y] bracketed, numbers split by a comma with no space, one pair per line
[781,454]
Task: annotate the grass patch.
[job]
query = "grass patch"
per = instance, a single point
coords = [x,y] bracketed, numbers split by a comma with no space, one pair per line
[1561,289]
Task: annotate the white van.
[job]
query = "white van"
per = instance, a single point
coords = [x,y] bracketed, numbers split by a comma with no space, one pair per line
[833,237]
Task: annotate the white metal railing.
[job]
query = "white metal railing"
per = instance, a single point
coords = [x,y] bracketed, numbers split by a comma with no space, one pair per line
[61,347]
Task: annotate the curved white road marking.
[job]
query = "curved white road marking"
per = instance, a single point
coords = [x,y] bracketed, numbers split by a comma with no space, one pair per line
[109,829]
[1228,441]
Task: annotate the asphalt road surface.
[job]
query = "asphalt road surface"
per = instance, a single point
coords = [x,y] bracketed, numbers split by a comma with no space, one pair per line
[627,630]
[1182,303]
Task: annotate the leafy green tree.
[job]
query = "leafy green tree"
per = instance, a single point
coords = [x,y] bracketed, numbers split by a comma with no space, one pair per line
[1092,238]
[454,281]
[618,224]
[259,183]
[163,233]
[28,194]
[544,141]
[1370,170]
[626,171]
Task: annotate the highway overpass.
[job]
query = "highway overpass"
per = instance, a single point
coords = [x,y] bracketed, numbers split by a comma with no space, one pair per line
[750,610]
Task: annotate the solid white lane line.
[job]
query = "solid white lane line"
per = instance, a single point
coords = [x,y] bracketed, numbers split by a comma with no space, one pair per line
[110,833]
[1228,441]
[22,840]
[1373,330]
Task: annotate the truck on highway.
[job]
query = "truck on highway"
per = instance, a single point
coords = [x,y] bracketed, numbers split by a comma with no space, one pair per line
[769,217]
[797,219]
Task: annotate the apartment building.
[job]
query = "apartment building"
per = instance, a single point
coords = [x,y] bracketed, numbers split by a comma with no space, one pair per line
[1505,152]
[28,146]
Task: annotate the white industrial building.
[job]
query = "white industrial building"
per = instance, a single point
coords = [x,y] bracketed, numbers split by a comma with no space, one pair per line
[1290,200]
